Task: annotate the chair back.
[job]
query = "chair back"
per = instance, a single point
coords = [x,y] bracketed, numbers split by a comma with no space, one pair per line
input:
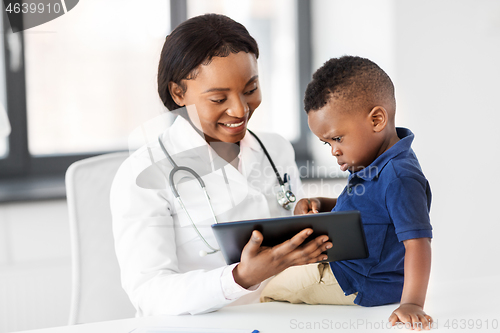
[96,293]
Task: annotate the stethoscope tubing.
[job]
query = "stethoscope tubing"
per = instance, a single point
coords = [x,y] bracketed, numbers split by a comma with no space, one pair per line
[278,176]
[171,182]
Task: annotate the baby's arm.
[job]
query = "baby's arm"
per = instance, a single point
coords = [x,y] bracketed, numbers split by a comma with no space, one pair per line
[417,268]
[314,205]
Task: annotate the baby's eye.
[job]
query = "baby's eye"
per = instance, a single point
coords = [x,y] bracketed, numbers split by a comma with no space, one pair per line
[338,139]
[325,143]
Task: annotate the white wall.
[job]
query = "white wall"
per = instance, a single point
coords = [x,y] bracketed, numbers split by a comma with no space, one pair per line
[448,65]
[444,58]
[364,28]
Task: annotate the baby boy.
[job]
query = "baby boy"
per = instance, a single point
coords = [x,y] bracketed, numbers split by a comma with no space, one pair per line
[351,107]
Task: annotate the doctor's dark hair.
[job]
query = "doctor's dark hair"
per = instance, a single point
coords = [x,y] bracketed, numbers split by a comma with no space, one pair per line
[195,42]
[349,78]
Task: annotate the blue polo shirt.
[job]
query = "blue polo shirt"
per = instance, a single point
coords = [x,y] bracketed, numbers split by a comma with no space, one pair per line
[394,199]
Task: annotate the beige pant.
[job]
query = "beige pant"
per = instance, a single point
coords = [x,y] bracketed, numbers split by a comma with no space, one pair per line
[311,284]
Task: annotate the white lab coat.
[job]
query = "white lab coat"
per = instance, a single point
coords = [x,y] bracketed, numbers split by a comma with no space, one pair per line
[156,245]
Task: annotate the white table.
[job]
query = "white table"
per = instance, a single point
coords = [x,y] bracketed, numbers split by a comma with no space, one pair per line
[451,305]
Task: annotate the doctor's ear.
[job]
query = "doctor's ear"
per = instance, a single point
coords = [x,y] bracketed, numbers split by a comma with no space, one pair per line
[378,118]
[177,92]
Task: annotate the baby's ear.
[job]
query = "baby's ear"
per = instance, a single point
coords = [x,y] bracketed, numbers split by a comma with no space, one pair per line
[378,118]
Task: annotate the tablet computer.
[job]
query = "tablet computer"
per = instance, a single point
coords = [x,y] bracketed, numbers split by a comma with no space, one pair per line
[344,229]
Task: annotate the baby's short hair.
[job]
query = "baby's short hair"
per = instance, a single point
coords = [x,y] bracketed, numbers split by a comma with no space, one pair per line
[349,78]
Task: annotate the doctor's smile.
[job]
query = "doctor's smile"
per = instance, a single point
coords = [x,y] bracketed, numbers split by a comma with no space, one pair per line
[234,127]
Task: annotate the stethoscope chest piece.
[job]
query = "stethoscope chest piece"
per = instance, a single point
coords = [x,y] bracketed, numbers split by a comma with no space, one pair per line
[284,194]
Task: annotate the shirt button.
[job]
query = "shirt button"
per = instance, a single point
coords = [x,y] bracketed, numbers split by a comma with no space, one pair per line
[349,189]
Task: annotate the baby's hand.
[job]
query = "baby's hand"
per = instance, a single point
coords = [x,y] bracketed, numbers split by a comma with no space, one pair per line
[413,314]
[307,206]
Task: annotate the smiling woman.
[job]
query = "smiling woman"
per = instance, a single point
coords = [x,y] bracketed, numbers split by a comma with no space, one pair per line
[214,73]
[208,67]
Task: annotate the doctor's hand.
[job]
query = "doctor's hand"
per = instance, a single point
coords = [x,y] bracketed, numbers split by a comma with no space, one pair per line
[261,262]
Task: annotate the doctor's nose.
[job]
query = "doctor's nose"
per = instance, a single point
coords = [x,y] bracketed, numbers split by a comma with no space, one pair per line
[239,108]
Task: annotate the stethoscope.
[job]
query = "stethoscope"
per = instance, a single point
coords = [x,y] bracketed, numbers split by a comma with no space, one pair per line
[284,196]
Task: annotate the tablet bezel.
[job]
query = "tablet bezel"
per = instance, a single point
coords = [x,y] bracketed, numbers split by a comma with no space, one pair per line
[345,230]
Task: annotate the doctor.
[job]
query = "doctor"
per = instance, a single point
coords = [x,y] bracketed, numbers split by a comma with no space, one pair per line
[209,66]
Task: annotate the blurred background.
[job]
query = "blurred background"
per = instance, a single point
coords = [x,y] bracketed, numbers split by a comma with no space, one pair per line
[77,86]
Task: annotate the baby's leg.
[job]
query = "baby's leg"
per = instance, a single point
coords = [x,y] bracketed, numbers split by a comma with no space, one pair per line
[311,284]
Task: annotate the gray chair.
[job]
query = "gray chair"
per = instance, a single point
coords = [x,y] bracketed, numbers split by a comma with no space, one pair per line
[96,294]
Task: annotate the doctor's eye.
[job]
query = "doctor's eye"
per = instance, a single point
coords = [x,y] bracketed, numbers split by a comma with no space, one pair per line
[219,101]
[251,91]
